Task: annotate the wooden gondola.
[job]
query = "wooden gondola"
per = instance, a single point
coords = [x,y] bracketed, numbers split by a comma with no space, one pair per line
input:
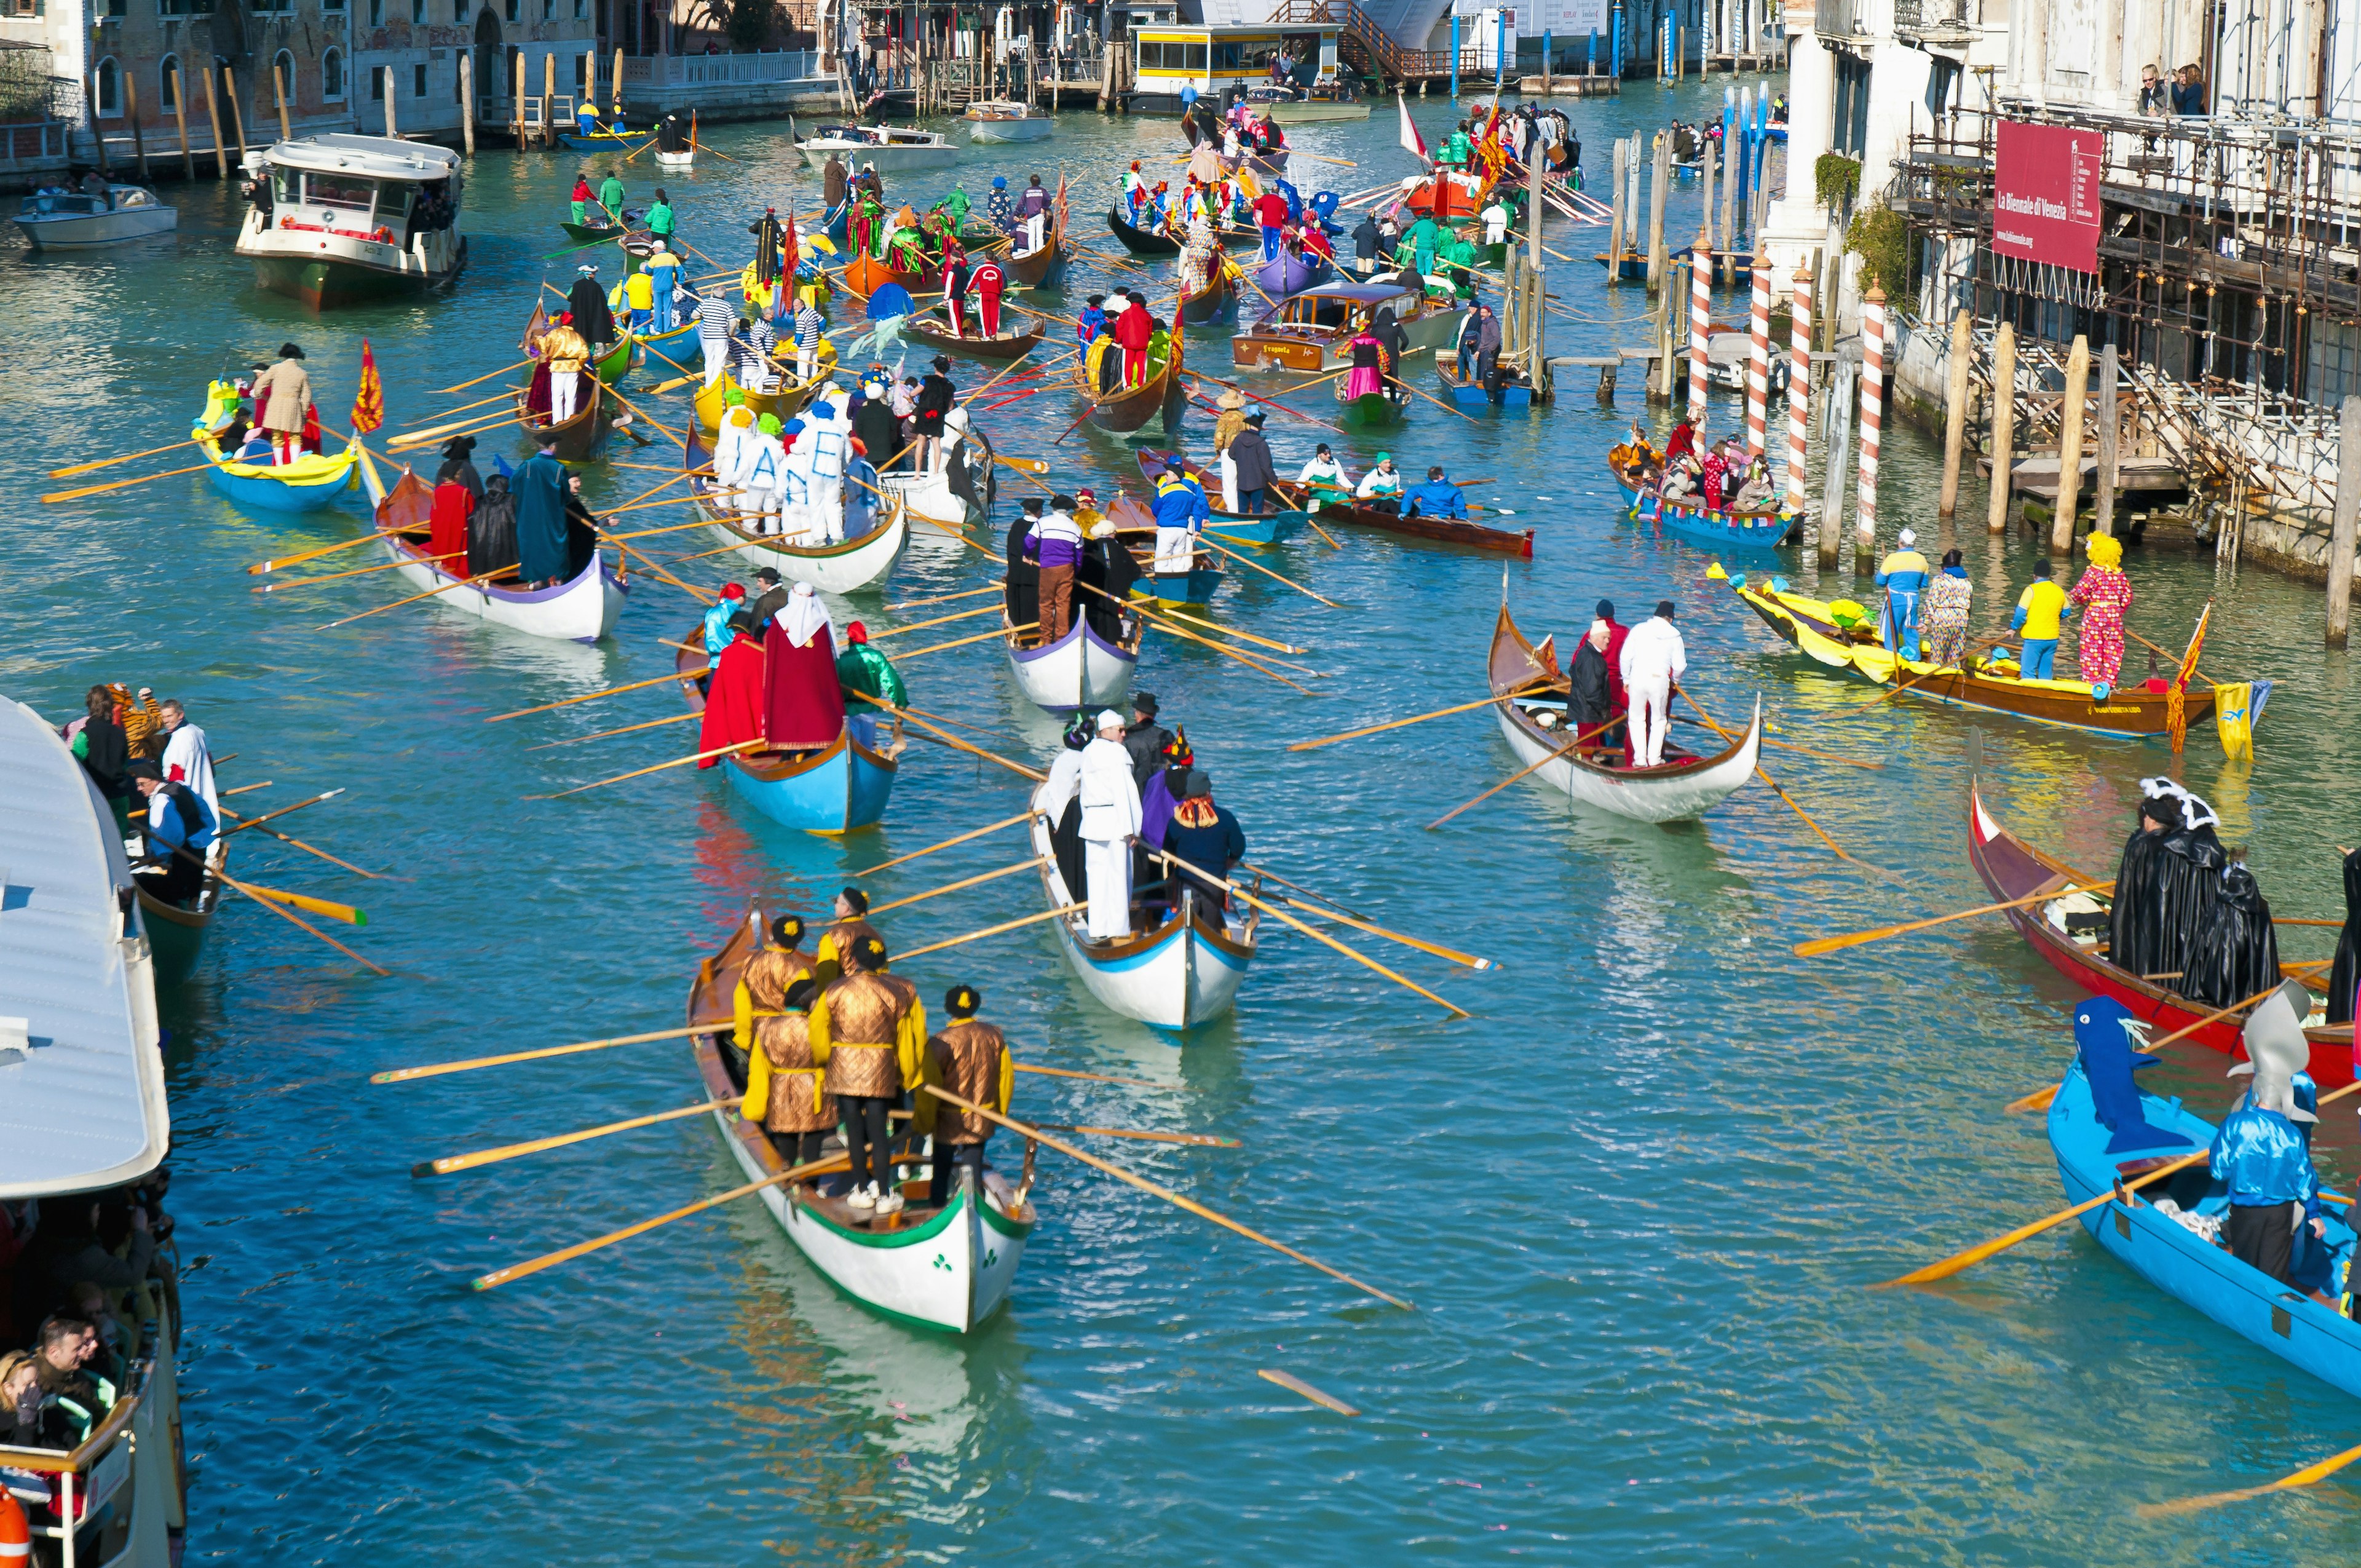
[577,437]
[1042,269]
[1213,301]
[1171,590]
[176,933]
[2069,931]
[1437,529]
[1127,408]
[2140,711]
[611,363]
[1517,395]
[844,567]
[950,1268]
[841,787]
[1080,670]
[864,274]
[591,234]
[1287,273]
[582,609]
[786,401]
[1140,241]
[933,331]
[1685,785]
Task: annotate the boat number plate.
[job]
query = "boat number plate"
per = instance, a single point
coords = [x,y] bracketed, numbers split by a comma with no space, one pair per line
[2123,1224]
[2280,1322]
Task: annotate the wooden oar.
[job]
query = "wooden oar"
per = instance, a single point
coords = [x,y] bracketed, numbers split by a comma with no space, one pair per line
[1093,1077]
[1438,402]
[991,930]
[1470,959]
[567,1255]
[472,1064]
[1195,1140]
[1026,864]
[1265,571]
[529,359]
[2040,1098]
[953,741]
[263,899]
[1132,1178]
[356,571]
[2303,1477]
[1982,1250]
[589,696]
[1297,494]
[122,484]
[450,1163]
[1838,849]
[946,599]
[474,424]
[641,773]
[1218,629]
[1819,945]
[1176,867]
[1897,687]
[333,910]
[242,789]
[963,837]
[126,457]
[261,566]
[938,620]
[1294,1384]
[245,822]
[1419,718]
[1154,618]
[504,394]
[625,729]
[446,587]
[309,849]
[1569,748]
[1788,746]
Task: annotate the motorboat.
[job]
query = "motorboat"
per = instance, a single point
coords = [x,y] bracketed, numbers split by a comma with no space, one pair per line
[76,220]
[354,217]
[998,121]
[888,148]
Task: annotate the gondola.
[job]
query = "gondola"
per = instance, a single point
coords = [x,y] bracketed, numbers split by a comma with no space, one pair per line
[1288,273]
[1213,301]
[611,363]
[842,787]
[1182,970]
[1080,670]
[577,437]
[946,504]
[1140,241]
[865,274]
[1193,588]
[176,935]
[1127,408]
[1229,527]
[2066,931]
[1834,635]
[604,140]
[1760,528]
[584,609]
[2193,1269]
[1685,786]
[784,401]
[1509,394]
[591,234]
[311,482]
[1042,269]
[1437,529]
[840,568]
[934,333]
[949,1269]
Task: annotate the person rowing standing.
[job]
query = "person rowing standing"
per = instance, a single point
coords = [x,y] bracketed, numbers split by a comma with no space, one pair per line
[970,1058]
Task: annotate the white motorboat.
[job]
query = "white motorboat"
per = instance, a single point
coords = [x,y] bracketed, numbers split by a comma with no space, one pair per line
[71,220]
[354,217]
[996,121]
[888,148]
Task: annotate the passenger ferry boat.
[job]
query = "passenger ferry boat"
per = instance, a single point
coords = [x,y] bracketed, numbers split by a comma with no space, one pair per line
[355,217]
[1224,61]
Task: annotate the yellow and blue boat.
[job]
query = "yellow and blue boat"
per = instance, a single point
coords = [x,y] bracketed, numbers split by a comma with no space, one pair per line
[311,482]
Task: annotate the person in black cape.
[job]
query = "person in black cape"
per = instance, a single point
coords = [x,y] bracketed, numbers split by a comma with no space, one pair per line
[2237,955]
[1389,332]
[2134,923]
[2189,875]
[1108,566]
[457,465]
[587,303]
[2345,976]
[581,529]
[1590,703]
[1023,574]
[672,134]
[877,427]
[769,235]
[491,528]
[1066,833]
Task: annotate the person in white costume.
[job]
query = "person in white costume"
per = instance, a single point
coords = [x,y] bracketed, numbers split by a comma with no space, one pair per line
[188,756]
[1110,819]
[1653,658]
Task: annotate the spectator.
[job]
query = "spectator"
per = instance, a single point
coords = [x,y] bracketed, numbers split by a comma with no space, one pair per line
[2188,90]
[24,1423]
[67,1250]
[2152,96]
[63,1349]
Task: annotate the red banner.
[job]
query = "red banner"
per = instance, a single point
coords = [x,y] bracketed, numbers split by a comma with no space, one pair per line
[2046,190]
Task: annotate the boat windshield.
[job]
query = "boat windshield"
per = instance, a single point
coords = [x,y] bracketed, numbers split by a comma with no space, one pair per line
[339,190]
[1316,311]
[62,203]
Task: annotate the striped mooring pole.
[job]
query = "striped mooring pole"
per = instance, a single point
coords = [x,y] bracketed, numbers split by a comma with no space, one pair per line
[1757,362]
[1800,386]
[1873,410]
[1700,326]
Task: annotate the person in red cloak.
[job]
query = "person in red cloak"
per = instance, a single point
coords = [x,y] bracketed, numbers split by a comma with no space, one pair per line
[733,696]
[803,706]
[1681,442]
[1617,697]
[1132,330]
[456,490]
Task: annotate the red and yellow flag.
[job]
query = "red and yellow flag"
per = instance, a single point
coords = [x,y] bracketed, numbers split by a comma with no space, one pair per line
[368,402]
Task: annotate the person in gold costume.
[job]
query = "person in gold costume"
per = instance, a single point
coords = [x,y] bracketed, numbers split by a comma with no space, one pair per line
[869,1029]
[971,1059]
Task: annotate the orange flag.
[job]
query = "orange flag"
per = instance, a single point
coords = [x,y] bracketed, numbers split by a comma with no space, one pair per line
[368,402]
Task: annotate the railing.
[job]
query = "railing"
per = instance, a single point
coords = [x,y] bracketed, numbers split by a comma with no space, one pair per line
[115,1481]
[41,142]
[1380,55]
[763,66]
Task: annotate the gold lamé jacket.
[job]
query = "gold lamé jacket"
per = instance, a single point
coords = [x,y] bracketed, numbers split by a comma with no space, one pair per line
[782,1082]
[971,1061]
[869,1029]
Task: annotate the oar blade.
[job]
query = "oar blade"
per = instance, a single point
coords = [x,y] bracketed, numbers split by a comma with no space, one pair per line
[2303,1477]
[1960,1262]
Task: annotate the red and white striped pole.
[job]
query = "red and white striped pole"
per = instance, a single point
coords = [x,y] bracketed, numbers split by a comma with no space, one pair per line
[1758,363]
[1700,326]
[1799,389]
[1872,410]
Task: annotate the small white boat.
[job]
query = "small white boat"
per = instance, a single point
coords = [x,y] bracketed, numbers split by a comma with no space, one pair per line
[836,569]
[582,610]
[1080,669]
[889,147]
[1177,975]
[1000,121]
[950,1268]
[953,503]
[684,158]
[69,220]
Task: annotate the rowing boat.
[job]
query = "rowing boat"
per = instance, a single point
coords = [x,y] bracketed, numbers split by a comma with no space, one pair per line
[1685,786]
[1042,269]
[945,503]
[934,333]
[2170,1256]
[783,401]
[1127,408]
[838,569]
[1517,394]
[1287,273]
[176,935]
[577,437]
[1080,670]
[1233,527]
[948,1269]
[841,787]
[1843,636]
[864,274]
[1372,410]
[1215,300]
[583,610]
[1418,525]
[592,234]
[1156,242]
[1760,528]
[1169,590]
[311,482]
[611,364]
[2066,930]
[1184,970]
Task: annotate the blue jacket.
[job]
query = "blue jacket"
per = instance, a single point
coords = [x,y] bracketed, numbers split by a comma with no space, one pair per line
[1179,502]
[1436,498]
[186,820]
[2262,1157]
[718,634]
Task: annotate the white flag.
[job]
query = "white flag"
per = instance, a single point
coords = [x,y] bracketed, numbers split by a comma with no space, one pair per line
[1412,143]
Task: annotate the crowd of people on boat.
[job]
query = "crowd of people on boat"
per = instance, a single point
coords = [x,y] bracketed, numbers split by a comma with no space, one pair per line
[777,682]
[531,529]
[1065,561]
[265,419]
[155,769]
[1934,601]
[85,1287]
[1123,348]
[1719,476]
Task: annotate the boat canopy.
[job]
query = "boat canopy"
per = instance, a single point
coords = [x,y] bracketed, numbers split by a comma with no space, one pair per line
[371,157]
[81,1078]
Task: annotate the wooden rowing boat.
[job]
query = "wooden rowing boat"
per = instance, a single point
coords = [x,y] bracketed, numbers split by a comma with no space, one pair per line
[584,609]
[1844,636]
[842,787]
[784,401]
[864,274]
[577,437]
[838,568]
[2014,869]
[1179,966]
[1517,395]
[1437,529]
[311,482]
[1215,300]
[1156,242]
[1042,269]
[1233,527]
[1169,590]
[1685,786]
[611,363]
[176,935]
[934,333]
[1080,670]
[948,1269]
[1287,273]
[1127,408]
[1760,528]
[591,234]
[944,504]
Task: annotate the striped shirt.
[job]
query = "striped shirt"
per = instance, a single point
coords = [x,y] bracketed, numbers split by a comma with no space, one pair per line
[1057,537]
[714,318]
[808,325]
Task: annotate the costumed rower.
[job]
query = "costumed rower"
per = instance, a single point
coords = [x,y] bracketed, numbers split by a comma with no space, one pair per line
[1206,838]
[868,1030]
[970,1058]
[2188,878]
[1182,511]
[785,1078]
[733,693]
[458,489]
[1110,798]
[2108,1041]
[803,709]
[716,633]
[2135,914]
[1144,739]
[848,922]
[492,530]
[567,358]
[2237,951]
[2039,609]
[587,303]
[1903,574]
[2344,975]
[1056,540]
[1653,661]
[180,828]
[2258,1152]
[1106,573]
[188,755]
[541,516]
[864,672]
[1024,567]
[2104,593]
[1059,803]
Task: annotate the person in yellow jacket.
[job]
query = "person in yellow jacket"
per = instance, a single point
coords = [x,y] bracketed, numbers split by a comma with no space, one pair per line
[563,350]
[869,1029]
[2039,610]
[633,300]
[785,1079]
[852,921]
[762,984]
[971,1059]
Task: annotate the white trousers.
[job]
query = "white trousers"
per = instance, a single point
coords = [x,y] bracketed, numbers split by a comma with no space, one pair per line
[1651,703]
[565,390]
[1175,550]
[1033,227]
[755,373]
[807,363]
[717,358]
[1229,483]
[1107,866]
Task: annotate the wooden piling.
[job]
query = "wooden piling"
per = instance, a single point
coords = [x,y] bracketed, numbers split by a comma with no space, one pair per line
[1661,178]
[548,98]
[279,92]
[2004,425]
[1615,219]
[516,103]
[615,88]
[236,115]
[1955,413]
[2069,447]
[2102,514]
[131,114]
[1840,436]
[1873,418]
[393,121]
[213,113]
[181,122]
[2341,531]
[1730,251]
[468,100]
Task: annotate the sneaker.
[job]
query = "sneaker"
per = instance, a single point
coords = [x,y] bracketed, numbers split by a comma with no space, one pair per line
[890,1203]
[861,1196]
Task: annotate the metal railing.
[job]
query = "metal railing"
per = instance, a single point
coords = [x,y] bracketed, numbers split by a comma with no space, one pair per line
[757,69]
[24,145]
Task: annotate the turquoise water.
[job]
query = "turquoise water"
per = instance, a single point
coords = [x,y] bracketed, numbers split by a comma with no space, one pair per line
[1637,1199]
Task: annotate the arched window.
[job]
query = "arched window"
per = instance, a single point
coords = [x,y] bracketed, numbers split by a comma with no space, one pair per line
[168,82]
[110,90]
[283,66]
[332,76]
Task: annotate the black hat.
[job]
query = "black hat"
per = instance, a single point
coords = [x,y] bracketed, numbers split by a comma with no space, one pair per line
[1030,506]
[1605,609]
[855,897]
[1665,608]
[962,1000]
[1144,702]
[1062,502]
[766,575]
[143,768]
[458,446]
[787,931]
[289,351]
[1199,787]
[871,951]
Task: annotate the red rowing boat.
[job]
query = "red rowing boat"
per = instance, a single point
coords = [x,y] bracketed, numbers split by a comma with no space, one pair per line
[2013,869]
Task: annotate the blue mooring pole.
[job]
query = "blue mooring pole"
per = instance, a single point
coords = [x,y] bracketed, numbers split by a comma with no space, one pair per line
[1454,57]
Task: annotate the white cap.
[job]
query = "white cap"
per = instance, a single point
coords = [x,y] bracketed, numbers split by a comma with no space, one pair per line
[1110,719]
[1909,537]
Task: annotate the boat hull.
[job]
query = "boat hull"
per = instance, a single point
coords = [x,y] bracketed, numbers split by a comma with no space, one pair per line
[1372,411]
[888,158]
[582,610]
[843,789]
[1263,529]
[1437,529]
[175,936]
[260,491]
[96,231]
[1082,669]
[1708,525]
[1009,130]
[1301,113]
[327,283]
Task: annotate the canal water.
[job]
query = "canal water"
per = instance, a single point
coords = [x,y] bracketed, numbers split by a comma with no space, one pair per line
[1638,1199]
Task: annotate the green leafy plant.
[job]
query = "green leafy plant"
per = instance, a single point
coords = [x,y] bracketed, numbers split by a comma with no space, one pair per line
[1881,240]
[1836,178]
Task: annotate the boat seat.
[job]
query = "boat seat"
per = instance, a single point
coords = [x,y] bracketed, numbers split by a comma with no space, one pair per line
[2081,917]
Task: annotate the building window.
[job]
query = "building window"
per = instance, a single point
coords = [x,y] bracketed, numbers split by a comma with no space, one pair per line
[376,84]
[110,89]
[418,82]
[512,10]
[377,13]
[581,80]
[418,12]
[1849,131]
[332,76]
[282,71]
[577,10]
[548,9]
[167,83]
